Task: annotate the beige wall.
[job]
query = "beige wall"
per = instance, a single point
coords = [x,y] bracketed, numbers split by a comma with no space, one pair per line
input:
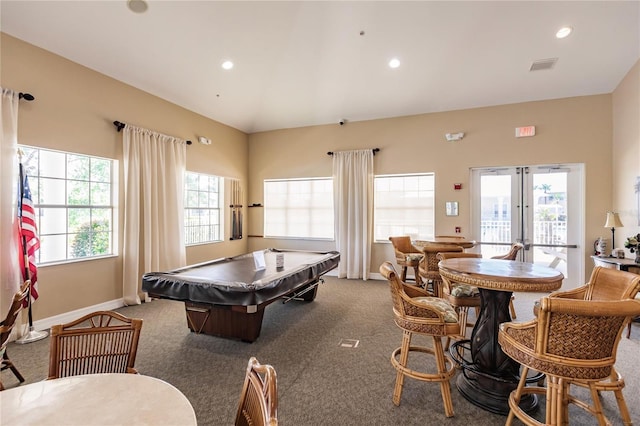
[626,153]
[73,111]
[573,130]
[75,107]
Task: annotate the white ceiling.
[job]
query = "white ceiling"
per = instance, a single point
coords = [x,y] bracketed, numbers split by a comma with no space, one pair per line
[301,63]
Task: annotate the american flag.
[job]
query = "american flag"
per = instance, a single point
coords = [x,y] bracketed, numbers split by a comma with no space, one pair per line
[29,241]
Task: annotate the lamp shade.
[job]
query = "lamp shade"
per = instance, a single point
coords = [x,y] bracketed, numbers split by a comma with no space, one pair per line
[613,221]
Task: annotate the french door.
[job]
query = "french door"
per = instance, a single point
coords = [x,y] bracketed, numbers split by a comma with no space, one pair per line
[539,206]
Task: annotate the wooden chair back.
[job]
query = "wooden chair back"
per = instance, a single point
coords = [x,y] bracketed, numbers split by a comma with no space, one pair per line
[605,284]
[612,284]
[453,255]
[100,342]
[16,306]
[578,338]
[512,254]
[410,314]
[428,268]
[402,246]
[430,262]
[6,326]
[446,284]
[259,398]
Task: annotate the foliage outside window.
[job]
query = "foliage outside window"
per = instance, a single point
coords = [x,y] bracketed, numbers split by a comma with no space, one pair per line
[298,208]
[202,212]
[73,199]
[404,205]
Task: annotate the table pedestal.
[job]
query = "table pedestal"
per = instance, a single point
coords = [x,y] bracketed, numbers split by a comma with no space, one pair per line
[490,376]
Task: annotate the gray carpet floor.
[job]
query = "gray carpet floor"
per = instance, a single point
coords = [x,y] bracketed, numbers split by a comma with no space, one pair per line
[320,381]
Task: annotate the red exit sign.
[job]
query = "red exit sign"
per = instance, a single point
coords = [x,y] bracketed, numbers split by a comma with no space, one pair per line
[523,132]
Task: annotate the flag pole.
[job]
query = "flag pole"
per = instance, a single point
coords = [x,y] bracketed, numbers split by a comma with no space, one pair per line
[32,335]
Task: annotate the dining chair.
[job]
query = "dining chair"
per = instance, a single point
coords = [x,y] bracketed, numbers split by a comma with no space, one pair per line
[570,341]
[428,268]
[259,398]
[512,254]
[407,256]
[100,342]
[5,330]
[415,311]
[605,284]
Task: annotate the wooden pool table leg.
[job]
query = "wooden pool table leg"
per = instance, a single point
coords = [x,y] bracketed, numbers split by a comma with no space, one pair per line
[224,321]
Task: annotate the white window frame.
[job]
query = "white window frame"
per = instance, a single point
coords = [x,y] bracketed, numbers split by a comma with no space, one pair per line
[206,203]
[300,208]
[39,174]
[404,204]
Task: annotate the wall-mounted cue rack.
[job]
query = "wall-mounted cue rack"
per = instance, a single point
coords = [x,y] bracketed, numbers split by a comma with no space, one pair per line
[236,209]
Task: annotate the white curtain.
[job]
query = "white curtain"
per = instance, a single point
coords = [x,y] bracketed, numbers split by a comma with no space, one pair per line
[10,274]
[154,168]
[353,205]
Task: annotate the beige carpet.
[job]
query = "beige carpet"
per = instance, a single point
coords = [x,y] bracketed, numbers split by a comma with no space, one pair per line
[320,382]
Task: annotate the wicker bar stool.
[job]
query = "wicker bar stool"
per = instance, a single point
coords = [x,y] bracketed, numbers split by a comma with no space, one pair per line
[461,296]
[570,340]
[605,284]
[407,256]
[5,331]
[416,312]
[429,270]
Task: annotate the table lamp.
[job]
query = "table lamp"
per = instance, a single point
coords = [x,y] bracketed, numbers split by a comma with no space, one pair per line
[613,222]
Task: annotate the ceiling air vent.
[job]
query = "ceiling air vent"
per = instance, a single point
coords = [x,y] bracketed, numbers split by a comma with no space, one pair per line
[543,64]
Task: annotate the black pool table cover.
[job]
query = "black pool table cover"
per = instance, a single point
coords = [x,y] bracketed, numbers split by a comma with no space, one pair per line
[235,280]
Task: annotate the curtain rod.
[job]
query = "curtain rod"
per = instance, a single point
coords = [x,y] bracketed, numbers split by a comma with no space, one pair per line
[120,125]
[373,149]
[26,96]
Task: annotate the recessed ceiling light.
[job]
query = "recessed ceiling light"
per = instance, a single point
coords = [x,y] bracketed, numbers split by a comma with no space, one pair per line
[137,6]
[227,65]
[394,63]
[564,32]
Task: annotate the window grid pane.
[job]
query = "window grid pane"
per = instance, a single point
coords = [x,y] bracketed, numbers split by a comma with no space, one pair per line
[202,213]
[404,205]
[73,204]
[298,208]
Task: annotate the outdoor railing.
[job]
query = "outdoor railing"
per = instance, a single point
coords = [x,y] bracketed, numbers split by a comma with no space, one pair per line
[547,232]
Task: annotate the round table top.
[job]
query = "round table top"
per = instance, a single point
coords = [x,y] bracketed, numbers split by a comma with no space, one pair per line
[464,243]
[97,399]
[505,275]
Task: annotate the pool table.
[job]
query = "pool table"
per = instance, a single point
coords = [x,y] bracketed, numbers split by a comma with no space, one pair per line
[227,297]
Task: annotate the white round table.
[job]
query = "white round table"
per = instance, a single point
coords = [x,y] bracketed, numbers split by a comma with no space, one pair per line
[96,399]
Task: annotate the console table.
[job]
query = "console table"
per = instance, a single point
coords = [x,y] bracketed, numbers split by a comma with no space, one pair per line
[624,264]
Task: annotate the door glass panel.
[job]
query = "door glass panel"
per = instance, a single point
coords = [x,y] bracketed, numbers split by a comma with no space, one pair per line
[531,204]
[495,211]
[550,219]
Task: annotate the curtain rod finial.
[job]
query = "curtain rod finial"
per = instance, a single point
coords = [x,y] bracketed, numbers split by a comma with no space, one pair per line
[26,96]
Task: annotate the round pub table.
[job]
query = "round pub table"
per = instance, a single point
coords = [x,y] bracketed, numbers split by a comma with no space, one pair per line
[96,399]
[454,241]
[490,375]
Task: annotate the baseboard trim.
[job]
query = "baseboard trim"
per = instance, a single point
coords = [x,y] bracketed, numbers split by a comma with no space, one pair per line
[46,323]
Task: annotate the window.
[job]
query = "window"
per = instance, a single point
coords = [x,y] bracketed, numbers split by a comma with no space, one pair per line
[73,199]
[404,205]
[299,208]
[202,212]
